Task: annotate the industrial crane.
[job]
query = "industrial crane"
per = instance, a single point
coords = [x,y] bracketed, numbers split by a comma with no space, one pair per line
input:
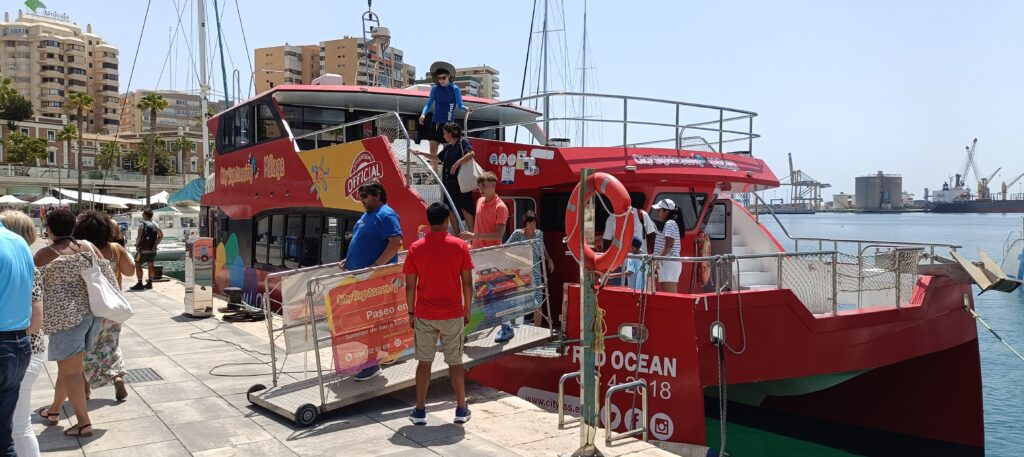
[1007,185]
[961,179]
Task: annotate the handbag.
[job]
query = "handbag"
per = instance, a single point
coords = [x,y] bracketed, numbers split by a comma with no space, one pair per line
[104,300]
[468,173]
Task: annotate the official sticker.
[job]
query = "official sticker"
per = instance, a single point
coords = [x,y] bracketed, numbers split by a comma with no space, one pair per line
[494,158]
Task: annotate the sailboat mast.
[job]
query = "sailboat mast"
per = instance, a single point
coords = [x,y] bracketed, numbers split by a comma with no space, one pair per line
[544,52]
[220,47]
[583,105]
[204,91]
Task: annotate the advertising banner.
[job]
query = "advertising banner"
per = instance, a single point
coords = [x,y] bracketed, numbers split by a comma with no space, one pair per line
[368,318]
[506,285]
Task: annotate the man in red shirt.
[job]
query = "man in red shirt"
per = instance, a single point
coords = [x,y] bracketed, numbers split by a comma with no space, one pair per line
[489,229]
[439,290]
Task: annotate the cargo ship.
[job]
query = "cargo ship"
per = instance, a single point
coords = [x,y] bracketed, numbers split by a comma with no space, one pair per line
[1012,205]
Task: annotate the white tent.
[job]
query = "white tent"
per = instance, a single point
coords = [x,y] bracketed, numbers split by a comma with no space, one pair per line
[12,200]
[46,201]
[158,198]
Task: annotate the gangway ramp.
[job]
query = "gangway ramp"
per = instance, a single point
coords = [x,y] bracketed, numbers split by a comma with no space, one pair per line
[304,401]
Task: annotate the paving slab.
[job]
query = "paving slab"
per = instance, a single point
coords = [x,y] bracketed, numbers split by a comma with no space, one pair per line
[165,393]
[125,434]
[170,448]
[268,448]
[218,433]
[194,410]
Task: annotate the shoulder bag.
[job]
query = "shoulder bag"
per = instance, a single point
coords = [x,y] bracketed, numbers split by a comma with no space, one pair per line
[104,300]
[468,172]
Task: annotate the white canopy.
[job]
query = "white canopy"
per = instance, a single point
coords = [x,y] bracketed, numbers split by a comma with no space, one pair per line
[97,198]
[12,200]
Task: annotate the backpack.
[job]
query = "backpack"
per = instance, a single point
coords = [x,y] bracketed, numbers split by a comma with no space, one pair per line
[149,233]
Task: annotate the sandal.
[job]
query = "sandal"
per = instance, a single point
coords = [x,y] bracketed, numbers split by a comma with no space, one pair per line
[78,431]
[120,393]
[45,413]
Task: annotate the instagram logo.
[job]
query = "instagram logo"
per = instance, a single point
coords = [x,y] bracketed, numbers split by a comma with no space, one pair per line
[661,426]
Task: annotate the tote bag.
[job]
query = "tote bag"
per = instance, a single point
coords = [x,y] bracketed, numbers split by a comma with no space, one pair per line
[104,300]
[468,173]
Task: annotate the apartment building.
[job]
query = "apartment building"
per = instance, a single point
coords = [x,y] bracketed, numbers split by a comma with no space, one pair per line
[182,111]
[47,57]
[286,65]
[480,81]
[345,57]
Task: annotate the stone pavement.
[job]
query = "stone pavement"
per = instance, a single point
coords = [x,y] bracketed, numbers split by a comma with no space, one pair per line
[199,406]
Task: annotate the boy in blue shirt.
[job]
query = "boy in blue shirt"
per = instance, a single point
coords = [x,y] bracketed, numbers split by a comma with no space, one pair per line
[445,99]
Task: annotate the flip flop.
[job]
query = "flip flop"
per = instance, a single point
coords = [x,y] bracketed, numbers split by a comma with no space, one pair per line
[45,413]
[78,430]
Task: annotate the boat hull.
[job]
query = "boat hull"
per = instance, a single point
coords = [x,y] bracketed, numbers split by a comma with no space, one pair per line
[981,206]
[912,371]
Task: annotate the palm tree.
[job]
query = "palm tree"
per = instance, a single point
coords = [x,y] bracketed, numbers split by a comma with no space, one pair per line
[79,102]
[154,103]
[182,146]
[109,152]
[66,134]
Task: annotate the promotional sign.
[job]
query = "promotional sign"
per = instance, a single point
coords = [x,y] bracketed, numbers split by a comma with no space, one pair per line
[505,285]
[368,319]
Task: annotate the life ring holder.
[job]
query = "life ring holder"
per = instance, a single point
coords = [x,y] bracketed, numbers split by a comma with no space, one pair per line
[609,186]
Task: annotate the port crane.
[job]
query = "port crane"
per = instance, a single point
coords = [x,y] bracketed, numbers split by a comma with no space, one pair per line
[806,191]
[971,166]
[1007,185]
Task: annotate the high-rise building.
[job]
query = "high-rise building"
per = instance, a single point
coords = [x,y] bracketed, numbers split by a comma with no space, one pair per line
[183,110]
[479,81]
[344,57]
[286,65]
[484,76]
[47,57]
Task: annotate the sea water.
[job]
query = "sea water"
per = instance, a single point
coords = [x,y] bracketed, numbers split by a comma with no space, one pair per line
[1002,373]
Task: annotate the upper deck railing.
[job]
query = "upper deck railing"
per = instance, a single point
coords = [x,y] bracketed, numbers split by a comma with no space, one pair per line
[641,121]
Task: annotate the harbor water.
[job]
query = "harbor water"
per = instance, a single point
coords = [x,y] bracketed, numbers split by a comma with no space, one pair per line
[1002,373]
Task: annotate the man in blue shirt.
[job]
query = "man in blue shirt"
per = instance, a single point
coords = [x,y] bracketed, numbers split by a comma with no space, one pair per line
[17,272]
[445,99]
[376,239]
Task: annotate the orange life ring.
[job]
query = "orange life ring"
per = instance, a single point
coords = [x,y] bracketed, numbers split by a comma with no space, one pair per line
[703,250]
[610,187]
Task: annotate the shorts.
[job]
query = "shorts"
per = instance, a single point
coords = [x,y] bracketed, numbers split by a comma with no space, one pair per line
[449,330]
[145,257]
[80,338]
[463,200]
[669,271]
[435,132]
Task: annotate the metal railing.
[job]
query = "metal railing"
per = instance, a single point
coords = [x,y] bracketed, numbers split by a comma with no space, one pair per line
[706,119]
[639,384]
[418,172]
[838,243]
[822,280]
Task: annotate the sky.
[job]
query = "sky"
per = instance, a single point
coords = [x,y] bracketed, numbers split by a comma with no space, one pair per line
[848,87]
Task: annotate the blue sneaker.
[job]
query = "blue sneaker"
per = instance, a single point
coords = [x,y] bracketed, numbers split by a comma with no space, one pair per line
[505,333]
[418,416]
[367,373]
[462,415]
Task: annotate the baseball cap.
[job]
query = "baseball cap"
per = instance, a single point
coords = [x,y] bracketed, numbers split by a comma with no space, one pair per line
[665,203]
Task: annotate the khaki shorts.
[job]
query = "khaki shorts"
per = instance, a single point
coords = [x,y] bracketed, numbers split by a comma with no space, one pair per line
[450,332]
[145,257]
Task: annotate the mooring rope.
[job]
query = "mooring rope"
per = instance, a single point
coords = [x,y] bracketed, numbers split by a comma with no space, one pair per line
[999,338]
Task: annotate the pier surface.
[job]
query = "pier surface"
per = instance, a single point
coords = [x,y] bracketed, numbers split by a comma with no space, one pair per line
[199,406]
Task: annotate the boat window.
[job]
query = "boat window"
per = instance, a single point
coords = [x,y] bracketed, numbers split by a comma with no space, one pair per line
[267,126]
[276,244]
[552,211]
[690,204]
[262,239]
[637,199]
[311,240]
[292,241]
[715,225]
[331,249]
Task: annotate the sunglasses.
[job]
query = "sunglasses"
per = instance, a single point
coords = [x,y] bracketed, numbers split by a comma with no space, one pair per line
[442,76]
[364,196]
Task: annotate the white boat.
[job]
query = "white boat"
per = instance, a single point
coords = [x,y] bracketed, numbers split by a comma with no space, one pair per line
[177,223]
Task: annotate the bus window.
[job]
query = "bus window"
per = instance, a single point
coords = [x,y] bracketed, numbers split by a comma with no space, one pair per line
[243,126]
[311,240]
[292,241]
